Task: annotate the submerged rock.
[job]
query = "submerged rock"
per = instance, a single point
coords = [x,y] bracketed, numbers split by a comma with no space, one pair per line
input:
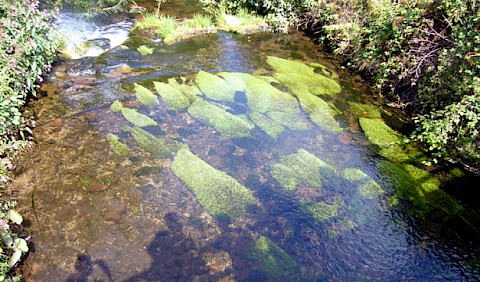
[173,98]
[220,194]
[367,187]
[323,211]
[214,87]
[137,118]
[230,126]
[144,50]
[155,146]
[267,124]
[116,146]
[365,110]
[301,167]
[321,113]
[379,133]
[301,78]
[145,96]
[272,259]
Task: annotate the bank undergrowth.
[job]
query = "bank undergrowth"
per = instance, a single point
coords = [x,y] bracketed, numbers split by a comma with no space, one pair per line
[27,49]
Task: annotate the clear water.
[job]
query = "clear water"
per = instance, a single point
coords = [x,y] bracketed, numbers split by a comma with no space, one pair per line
[97,216]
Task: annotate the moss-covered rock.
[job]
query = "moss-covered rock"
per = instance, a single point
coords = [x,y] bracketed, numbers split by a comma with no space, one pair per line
[370,189]
[272,259]
[137,118]
[321,113]
[343,225]
[145,96]
[301,167]
[191,91]
[300,77]
[365,110]
[214,87]
[155,146]
[323,211]
[354,174]
[217,192]
[268,125]
[379,133]
[230,126]
[116,106]
[116,146]
[419,188]
[144,50]
[404,152]
[173,98]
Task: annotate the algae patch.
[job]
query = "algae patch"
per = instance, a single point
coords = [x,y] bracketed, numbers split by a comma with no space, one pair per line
[145,96]
[173,98]
[220,194]
[323,211]
[272,259]
[153,145]
[116,146]
[214,87]
[379,133]
[132,115]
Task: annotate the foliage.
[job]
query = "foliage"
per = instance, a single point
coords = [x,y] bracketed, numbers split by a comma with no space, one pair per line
[104,6]
[423,54]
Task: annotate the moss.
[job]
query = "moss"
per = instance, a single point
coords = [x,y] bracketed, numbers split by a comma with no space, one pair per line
[300,77]
[272,259]
[364,110]
[344,225]
[116,146]
[217,192]
[321,113]
[155,146]
[370,189]
[214,87]
[230,126]
[144,50]
[323,211]
[267,124]
[379,133]
[191,91]
[137,118]
[173,98]
[116,106]
[419,188]
[401,153]
[235,80]
[301,167]
[354,174]
[145,96]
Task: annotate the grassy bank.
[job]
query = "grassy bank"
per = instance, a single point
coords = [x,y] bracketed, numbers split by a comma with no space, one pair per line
[27,49]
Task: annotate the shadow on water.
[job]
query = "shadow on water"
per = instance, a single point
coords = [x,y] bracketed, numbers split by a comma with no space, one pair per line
[85,267]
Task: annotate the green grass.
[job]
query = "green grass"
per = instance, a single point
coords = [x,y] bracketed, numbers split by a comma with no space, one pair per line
[200,21]
[167,26]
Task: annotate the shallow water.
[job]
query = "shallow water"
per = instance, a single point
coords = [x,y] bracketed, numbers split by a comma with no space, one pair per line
[96,216]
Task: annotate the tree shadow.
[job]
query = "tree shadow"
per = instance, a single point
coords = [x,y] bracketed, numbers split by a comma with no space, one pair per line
[84,268]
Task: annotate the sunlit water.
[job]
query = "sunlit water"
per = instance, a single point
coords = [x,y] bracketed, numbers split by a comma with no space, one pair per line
[97,216]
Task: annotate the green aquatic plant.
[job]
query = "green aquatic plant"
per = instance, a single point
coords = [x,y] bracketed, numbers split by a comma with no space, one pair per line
[214,87]
[365,110]
[191,91]
[323,211]
[173,98]
[116,106]
[220,194]
[155,146]
[300,77]
[379,133]
[301,167]
[137,118]
[272,259]
[116,146]
[370,189]
[230,126]
[354,174]
[144,50]
[419,188]
[145,96]
[268,125]
[321,113]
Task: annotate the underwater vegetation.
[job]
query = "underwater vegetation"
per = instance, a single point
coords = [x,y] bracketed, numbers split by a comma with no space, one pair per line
[301,167]
[145,96]
[172,96]
[132,115]
[323,211]
[144,50]
[214,87]
[155,146]
[116,146]
[273,260]
[220,194]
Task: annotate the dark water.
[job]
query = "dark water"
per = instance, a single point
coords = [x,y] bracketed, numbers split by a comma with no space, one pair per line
[97,216]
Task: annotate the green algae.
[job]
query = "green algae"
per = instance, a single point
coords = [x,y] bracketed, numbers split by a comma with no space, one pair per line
[116,146]
[191,91]
[116,106]
[370,189]
[153,145]
[321,113]
[365,110]
[298,168]
[419,188]
[214,87]
[402,153]
[137,118]
[220,194]
[323,211]
[173,98]
[342,226]
[144,50]
[379,133]
[145,96]
[272,259]
[354,174]
[230,126]
[300,77]
[267,124]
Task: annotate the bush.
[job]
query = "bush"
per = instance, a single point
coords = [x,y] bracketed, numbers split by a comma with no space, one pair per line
[424,55]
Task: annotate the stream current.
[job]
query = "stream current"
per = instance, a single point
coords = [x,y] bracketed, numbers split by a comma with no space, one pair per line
[103,204]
